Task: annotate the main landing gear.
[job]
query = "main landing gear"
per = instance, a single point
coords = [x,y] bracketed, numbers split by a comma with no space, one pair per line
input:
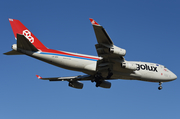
[160,87]
[97,78]
[109,73]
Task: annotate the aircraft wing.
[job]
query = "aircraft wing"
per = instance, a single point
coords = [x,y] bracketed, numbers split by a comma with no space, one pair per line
[72,78]
[101,34]
[74,81]
[106,49]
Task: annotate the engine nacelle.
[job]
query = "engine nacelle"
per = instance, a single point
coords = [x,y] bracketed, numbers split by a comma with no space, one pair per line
[117,50]
[14,47]
[129,65]
[76,84]
[105,84]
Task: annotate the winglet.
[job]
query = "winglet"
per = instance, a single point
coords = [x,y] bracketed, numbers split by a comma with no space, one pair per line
[39,77]
[93,22]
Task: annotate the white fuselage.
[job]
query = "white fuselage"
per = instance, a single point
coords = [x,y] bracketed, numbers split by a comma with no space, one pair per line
[87,64]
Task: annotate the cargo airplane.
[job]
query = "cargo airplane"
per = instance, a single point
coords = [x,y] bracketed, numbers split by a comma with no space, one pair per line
[110,63]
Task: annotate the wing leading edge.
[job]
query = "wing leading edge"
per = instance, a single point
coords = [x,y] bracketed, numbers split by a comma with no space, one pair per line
[72,78]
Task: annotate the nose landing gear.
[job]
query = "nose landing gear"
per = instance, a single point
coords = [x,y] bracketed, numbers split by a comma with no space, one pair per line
[160,87]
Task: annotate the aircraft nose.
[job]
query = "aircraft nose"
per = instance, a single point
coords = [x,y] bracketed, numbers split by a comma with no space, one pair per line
[173,76]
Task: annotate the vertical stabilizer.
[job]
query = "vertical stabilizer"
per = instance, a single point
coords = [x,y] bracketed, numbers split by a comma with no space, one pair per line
[19,28]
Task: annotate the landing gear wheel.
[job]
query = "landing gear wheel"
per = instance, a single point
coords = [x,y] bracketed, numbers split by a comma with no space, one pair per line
[97,78]
[70,83]
[92,80]
[160,87]
[98,83]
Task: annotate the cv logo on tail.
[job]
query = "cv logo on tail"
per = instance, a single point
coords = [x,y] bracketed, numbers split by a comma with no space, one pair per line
[27,34]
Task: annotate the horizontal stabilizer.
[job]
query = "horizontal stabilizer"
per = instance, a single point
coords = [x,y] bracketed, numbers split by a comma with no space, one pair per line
[24,43]
[13,52]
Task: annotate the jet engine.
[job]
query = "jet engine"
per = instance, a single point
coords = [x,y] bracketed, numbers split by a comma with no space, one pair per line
[105,84]
[129,65]
[118,51]
[76,84]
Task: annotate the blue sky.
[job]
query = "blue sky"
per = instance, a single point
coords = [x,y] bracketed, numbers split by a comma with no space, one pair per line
[148,30]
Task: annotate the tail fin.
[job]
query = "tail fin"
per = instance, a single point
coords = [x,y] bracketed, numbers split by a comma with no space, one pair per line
[19,28]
